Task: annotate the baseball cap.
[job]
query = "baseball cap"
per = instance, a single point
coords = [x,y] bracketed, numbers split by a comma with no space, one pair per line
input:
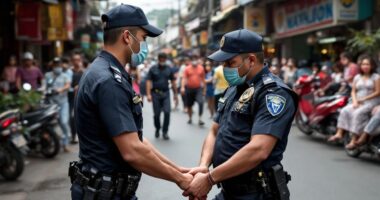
[27,56]
[237,42]
[128,15]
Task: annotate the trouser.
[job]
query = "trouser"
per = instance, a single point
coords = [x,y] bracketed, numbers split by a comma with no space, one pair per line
[71,118]
[77,193]
[253,196]
[195,95]
[161,102]
[64,122]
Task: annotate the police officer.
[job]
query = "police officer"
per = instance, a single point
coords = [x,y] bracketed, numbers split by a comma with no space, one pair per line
[158,92]
[250,131]
[108,116]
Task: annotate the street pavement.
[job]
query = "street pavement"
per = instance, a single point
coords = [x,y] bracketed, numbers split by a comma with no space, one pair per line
[319,171]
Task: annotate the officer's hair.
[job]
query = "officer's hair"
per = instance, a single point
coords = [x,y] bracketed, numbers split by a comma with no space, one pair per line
[112,35]
[259,56]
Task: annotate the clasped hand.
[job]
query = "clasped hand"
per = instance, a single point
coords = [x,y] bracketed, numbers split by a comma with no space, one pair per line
[200,186]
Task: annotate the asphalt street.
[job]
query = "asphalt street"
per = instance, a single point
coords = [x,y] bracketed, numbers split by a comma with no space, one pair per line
[319,171]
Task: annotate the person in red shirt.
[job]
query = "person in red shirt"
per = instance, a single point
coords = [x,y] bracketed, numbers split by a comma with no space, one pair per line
[194,87]
[351,69]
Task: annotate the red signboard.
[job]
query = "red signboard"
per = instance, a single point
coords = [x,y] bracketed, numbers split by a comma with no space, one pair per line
[28,20]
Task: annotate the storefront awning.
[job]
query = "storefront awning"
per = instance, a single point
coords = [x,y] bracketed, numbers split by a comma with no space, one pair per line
[224,14]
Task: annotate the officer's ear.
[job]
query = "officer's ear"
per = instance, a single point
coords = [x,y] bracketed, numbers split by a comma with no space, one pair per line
[127,37]
[252,58]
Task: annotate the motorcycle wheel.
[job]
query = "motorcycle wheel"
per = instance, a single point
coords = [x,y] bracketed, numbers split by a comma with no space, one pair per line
[14,164]
[303,127]
[50,144]
[352,153]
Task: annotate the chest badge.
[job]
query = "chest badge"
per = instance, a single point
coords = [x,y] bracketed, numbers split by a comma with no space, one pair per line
[244,98]
[247,95]
[275,104]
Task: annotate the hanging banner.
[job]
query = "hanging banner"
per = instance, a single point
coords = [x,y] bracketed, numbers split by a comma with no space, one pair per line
[28,21]
[254,19]
[69,21]
[203,38]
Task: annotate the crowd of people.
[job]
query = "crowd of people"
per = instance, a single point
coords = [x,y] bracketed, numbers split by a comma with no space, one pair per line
[62,77]
[361,116]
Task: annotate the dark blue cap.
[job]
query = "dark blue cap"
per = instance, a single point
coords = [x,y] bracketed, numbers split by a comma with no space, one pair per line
[237,42]
[128,15]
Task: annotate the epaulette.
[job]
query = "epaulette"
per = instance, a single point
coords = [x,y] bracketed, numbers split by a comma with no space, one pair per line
[116,73]
[268,80]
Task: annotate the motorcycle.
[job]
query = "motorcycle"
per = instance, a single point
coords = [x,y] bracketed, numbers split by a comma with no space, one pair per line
[317,114]
[12,145]
[39,128]
[372,147]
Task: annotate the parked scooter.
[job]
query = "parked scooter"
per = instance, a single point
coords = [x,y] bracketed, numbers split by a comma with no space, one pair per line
[39,129]
[317,114]
[12,145]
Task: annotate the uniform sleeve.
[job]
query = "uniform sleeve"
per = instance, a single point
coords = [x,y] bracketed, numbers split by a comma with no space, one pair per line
[114,102]
[149,76]
[271,118]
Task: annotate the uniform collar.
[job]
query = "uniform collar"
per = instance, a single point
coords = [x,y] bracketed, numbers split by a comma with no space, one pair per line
[259,76]
[113,61]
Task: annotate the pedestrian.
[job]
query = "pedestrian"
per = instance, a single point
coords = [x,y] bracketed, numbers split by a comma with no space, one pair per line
[67,68]
[77,72]
[29,73]
[250,130]
[9,74]
[220,84]
[143,70]
[135,75]
[175,69]
[290,75]
[158,93]
[351,69]
[210,88]
[184,63]
[58,82]
[194,87]
[109,118]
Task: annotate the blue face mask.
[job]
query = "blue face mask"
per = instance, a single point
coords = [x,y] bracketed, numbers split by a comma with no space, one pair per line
[232,75]
[138,58]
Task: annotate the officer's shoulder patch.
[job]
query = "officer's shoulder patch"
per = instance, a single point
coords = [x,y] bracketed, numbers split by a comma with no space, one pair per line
[275,103]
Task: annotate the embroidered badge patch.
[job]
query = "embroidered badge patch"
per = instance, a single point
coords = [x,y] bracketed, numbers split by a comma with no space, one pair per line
[275,104]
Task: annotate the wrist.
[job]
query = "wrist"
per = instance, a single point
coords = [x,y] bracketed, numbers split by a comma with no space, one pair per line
[211,179]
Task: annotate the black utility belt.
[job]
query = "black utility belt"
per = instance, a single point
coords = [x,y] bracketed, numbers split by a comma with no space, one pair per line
[159,91]
[98,186]
[272,182]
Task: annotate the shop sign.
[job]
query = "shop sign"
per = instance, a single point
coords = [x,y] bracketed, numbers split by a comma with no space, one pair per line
[299,16]
[69,21]
[28,20]
[203,38]
[193,24]
[224,4]
[56,30]
[254,19]
[346,10]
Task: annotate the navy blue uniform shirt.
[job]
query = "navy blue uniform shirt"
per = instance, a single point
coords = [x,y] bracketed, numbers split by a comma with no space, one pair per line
[104,108]
[160,76]
[273,114]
